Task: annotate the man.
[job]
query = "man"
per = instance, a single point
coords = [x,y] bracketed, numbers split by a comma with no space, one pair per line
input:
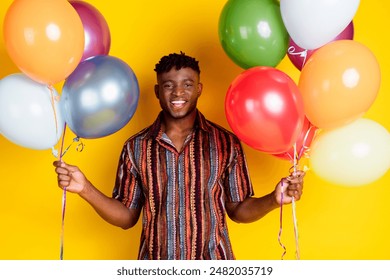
[184,172]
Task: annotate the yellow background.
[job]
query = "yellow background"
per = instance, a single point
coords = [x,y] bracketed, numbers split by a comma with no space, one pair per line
[334,222]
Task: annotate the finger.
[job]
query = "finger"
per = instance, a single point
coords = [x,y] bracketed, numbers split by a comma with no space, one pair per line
[284,182]
[297,175]
[63,183]
[294,192]
[295,180]
[300,173]
[63,168]
[293,183]
[64,177]
[292,188]
[297,195]
[295,188]
[70,168]
[61,171]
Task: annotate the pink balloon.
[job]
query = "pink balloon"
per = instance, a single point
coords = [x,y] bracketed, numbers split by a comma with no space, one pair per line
[264,108]
[298,56]
[96,31]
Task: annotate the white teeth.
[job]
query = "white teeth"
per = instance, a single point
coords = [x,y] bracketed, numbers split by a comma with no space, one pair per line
[178,102]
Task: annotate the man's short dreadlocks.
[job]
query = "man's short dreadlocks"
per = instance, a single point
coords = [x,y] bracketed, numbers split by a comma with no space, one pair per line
[178,61]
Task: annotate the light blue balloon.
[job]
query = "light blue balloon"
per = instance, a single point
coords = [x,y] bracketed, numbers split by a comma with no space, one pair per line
[99,97]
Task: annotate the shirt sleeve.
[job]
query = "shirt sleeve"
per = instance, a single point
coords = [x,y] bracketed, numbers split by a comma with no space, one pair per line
[127,189]
[238,185]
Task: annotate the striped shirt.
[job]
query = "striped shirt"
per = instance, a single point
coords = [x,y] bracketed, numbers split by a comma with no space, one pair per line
[183,194]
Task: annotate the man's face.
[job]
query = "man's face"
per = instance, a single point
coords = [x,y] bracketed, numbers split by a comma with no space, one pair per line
[178,91]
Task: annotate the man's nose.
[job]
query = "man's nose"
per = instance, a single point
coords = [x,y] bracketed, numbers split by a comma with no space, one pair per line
[178,90]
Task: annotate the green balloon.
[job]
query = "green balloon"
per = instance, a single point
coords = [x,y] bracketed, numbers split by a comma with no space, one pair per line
[252,32]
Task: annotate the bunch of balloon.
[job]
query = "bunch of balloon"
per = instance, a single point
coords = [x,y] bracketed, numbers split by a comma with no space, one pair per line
[45,40]
[339,82]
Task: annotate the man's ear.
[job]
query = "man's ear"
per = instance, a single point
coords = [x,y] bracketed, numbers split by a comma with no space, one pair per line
[200,88]
[156,90]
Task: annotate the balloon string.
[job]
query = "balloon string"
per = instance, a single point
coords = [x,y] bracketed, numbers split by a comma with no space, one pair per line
[293,173]
[304,146]
[63,201]
[50,87]
[304,149]
[295,159]
[291,50]
[62,144]
[79,147]
[281,222]
[297,254]
[63,224]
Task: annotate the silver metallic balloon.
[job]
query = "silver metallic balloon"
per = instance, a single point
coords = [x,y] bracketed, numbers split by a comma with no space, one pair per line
[99,97]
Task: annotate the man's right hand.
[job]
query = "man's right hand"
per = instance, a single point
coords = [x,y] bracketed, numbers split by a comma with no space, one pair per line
[70,176]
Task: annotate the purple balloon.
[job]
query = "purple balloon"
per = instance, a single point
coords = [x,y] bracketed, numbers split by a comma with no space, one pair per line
[299,56]
[96,31]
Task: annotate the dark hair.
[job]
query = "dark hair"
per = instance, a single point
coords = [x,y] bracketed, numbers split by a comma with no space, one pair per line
[178,61]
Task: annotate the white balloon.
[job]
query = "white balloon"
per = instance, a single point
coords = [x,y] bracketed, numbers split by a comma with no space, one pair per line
[313,23]
[29,113]
[352,155]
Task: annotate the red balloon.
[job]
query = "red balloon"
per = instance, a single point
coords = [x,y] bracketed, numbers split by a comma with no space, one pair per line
[298,56]
[264,108]
[303,142]
[96,31]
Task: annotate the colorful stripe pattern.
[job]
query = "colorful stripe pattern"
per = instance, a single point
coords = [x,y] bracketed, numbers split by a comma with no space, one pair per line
[183,194]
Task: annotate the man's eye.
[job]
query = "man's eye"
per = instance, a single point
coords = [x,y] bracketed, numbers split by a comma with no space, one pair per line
[188,85]
[168,86]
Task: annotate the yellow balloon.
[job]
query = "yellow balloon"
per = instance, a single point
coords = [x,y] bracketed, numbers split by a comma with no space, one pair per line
[352,155]
[45,39]
[339,83]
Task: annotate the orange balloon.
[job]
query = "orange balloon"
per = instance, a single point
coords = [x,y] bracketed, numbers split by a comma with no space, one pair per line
[339,83]
[45,39]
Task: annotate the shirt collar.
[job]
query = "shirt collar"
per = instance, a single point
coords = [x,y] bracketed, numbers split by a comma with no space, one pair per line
[156,132]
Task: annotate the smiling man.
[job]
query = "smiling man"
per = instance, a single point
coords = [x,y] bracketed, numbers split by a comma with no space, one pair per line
[185,173]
